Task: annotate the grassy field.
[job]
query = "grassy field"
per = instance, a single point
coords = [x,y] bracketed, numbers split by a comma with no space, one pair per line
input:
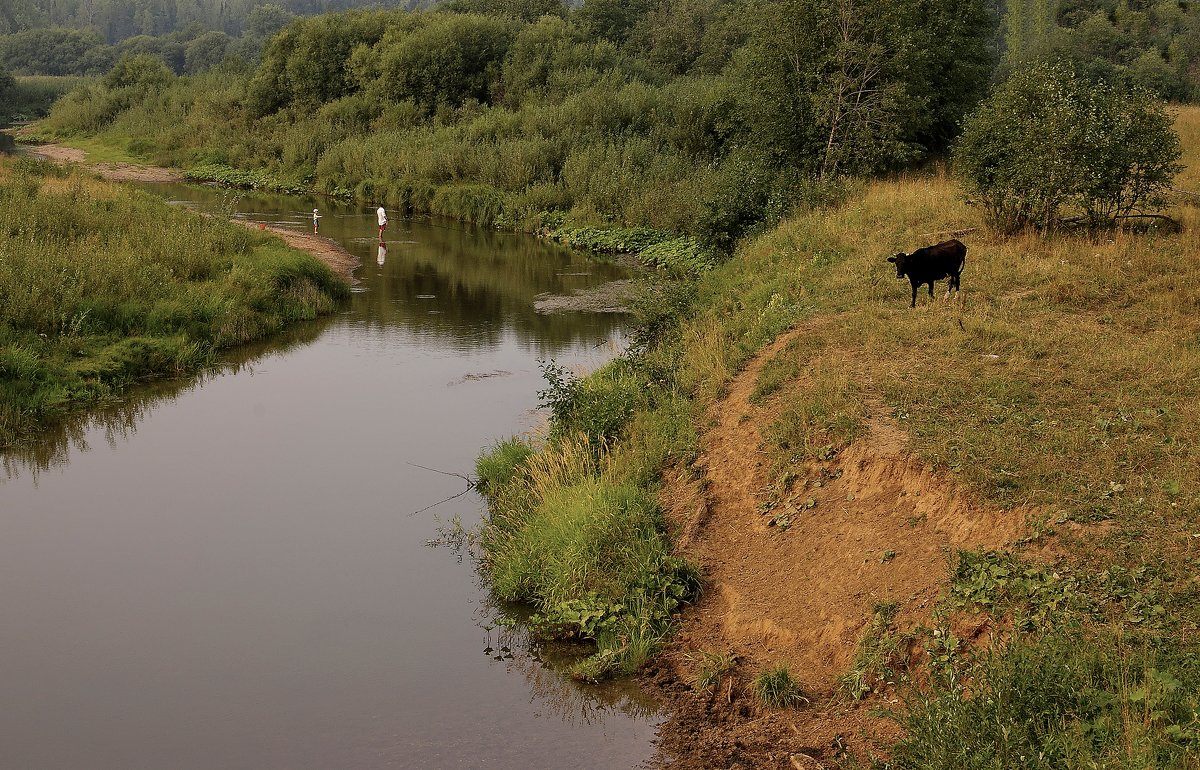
[1065,378]
[104,287]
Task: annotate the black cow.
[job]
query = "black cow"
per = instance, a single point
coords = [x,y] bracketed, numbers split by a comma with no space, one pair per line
[932,263]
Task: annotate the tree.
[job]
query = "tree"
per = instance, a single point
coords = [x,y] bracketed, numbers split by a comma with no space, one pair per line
[265,20]
[205,52]
[449,59]
[523,10]
[141,72]
[1052,145]
[7,84]
[55,52]
[610,19]
[306,64]
[852,86]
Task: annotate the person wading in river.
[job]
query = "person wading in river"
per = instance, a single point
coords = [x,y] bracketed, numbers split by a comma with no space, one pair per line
[381,215]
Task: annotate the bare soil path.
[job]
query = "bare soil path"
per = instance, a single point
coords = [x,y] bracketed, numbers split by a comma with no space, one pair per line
[116,172]
[870,525]
[327,250]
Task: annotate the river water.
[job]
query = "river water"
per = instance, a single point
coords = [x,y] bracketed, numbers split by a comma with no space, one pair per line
[236,571]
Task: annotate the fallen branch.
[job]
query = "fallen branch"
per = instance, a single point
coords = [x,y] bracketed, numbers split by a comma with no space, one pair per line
[1174,222]
[470,485]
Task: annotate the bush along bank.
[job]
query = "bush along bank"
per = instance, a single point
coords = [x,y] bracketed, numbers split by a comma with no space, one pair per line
[575,528]
[106,286]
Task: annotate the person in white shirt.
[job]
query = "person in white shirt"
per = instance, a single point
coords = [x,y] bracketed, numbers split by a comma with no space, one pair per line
[316,216]
[381,215]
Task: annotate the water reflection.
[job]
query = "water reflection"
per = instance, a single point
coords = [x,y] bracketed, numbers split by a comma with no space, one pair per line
[541,665]
[507,641]
[445,280]
[118,420]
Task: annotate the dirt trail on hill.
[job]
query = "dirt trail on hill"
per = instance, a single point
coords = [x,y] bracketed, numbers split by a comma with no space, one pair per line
[870,525]
[325,249]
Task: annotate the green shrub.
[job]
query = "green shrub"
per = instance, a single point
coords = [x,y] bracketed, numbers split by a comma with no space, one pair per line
[776,688]
[1052,145]
[598,406]
[499,466]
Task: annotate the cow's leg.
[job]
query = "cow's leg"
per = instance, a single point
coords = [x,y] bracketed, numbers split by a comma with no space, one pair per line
[931,283]
[915,285]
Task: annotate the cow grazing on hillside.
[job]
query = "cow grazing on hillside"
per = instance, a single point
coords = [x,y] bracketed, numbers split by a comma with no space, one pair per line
[932,263]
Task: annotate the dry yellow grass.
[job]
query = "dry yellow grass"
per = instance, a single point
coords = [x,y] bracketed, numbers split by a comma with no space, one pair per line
[78,186]
[1066,377]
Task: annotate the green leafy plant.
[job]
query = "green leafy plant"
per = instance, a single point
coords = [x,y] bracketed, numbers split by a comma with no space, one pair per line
[714,668]
[776,688]
[882,654]
[1054,145]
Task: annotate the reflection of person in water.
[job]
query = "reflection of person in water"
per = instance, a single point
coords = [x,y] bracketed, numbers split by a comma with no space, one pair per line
[316,216]
[382,253]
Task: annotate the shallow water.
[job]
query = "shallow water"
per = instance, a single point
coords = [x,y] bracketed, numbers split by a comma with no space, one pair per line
[234,572]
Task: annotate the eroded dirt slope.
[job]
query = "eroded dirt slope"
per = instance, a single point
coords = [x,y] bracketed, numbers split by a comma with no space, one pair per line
[871,524]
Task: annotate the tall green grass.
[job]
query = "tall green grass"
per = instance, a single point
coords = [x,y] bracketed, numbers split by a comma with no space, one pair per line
[608,150]
[1068,700]
[103,287]
[575,528]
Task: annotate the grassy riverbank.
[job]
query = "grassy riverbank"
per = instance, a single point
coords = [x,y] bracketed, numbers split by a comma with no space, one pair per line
[1064,383]
[105,286]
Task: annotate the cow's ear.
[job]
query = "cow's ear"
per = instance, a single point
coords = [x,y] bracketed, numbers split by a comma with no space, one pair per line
[891,259]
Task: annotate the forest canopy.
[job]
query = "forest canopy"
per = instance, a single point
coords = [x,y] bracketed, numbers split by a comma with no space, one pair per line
[707,117]
[699,116]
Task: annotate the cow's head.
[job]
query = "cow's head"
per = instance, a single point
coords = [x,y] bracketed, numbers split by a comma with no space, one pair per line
[901,261]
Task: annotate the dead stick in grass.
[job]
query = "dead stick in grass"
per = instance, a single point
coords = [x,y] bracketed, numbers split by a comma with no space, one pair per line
[955,233]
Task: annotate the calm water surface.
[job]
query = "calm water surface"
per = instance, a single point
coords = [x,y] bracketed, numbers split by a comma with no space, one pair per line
[233,572]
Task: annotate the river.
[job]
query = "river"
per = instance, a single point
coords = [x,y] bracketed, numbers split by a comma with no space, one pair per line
[236,571]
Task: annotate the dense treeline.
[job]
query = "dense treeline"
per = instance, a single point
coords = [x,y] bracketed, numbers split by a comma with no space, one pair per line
[705,116]
[116,20]
[1153,43]
[64,51]
[1156,43]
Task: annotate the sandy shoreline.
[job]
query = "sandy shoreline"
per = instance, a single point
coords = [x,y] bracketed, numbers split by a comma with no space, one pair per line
[325,249]
[115,172]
